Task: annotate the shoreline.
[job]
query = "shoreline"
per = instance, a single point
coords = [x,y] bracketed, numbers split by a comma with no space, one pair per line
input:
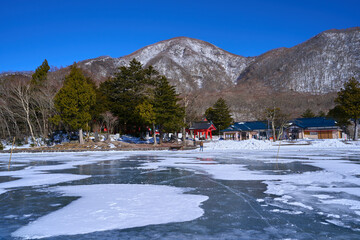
[103,148]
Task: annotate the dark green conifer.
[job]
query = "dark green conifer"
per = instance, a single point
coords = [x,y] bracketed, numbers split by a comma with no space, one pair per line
[40,74]
[130,87]
[168,113]
[348,100]
[219,114]
[341,118]
[74,100]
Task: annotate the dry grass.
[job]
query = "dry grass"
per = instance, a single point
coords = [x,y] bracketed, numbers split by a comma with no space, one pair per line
[100,146]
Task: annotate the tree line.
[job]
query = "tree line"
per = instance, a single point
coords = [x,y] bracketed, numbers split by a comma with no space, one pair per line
[134,100]
[27,106]
[346,112]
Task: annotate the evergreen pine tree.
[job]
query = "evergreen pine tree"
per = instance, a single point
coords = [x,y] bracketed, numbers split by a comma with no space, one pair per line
[168,113]
[40,74]
[342,119]
[131,86]
[74,100]
[219,114]
[210,114]
[348,100]
[101,106]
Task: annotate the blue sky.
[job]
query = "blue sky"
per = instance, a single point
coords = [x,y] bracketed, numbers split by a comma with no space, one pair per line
[67,31]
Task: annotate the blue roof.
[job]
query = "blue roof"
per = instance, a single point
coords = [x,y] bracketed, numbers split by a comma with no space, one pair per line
[246,126]
[316,122]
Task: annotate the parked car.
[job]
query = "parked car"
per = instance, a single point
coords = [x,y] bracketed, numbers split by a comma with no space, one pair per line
[58,136]
[74,136]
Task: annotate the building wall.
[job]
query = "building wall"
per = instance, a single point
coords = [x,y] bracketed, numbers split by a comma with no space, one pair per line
[230,135]
[240,135]
[321,134]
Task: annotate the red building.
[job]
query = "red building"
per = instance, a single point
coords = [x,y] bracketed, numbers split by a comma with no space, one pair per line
[202,129]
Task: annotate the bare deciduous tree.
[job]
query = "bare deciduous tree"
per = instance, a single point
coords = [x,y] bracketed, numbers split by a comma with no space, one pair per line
[278,121]
[21,96]
[110,121]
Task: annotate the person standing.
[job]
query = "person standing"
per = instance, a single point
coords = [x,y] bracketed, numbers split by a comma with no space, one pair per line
[201,146]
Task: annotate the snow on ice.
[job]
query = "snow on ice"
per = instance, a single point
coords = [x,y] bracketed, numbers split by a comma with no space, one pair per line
[115,206]
[39,175]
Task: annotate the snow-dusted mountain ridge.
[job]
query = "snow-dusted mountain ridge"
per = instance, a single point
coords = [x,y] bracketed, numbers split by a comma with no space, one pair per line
[320,64]
[188,63]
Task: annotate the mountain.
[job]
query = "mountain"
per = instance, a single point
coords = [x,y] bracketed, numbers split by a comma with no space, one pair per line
[189,64]
[321,64]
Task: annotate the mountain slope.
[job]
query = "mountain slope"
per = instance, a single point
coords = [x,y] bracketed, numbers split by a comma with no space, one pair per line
[320,65]
[189,64]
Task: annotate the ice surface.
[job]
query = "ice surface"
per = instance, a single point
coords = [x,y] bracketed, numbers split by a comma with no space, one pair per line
[39,175]
[38,179]
[333,215]
[286,211]
[342,167]
[115,206]
[352,203]
[322,196]
[213,168]
[310,179]
[297,190]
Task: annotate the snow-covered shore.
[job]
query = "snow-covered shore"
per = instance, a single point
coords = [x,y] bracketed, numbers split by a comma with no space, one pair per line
[253,144]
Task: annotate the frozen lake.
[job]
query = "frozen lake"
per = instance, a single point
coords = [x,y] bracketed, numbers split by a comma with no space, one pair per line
[303,193]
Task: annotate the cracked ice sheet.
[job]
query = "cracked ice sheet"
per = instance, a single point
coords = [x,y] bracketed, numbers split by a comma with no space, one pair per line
[337,176]
[39,179]
[37,176]
[66,160]
[216,170]
[115,206]
[352,203]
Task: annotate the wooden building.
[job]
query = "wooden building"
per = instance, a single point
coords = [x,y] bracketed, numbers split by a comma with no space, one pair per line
[202,129]
[314,128]
[245,130]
